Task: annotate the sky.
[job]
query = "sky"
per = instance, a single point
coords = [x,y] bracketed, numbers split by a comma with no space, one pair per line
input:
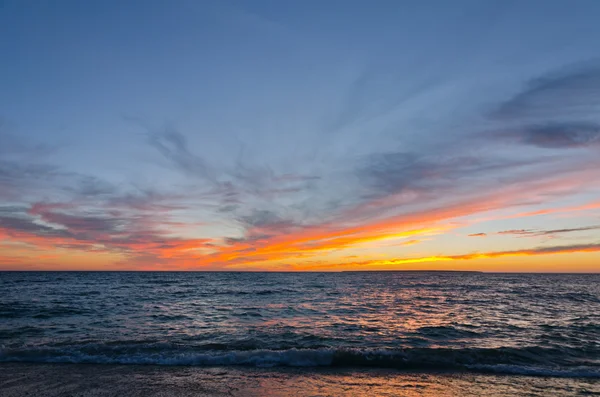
[300,135]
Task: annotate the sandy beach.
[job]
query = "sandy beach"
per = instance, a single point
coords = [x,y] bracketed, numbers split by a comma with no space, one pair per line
[133,380]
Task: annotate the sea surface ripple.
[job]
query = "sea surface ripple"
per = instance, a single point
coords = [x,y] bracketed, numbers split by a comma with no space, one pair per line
[533,324]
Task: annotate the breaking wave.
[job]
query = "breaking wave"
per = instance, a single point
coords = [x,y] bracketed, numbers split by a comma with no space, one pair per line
[534,361]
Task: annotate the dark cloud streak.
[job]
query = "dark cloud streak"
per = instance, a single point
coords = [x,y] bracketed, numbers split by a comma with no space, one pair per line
[541,233]
[555,135]
[174,147]
[572,91]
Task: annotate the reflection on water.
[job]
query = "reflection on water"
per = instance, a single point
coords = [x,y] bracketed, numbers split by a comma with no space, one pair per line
[509,323]
[67,380]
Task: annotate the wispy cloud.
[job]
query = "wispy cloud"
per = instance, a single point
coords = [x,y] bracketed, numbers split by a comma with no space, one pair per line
[555,111]
[562,249]
[252,213]
[478,235]
[541,233]
[572,91]
[559,135]
[391,263]
[174,147]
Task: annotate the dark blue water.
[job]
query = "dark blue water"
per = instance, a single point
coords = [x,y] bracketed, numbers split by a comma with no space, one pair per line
[504,323]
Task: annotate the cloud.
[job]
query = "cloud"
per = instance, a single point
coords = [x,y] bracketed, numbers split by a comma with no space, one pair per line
[174,147]
[319,239]
[555,111]
[13,145]
[89,186]
[25,171]
[394,172]
[556,135]
[411,242]
[394,263]
[570,92]
[50,221]
[83,223]
[521,232]
[65,226]
[263,182]
[261,214]
[230,185]
[388,173]
[262,218]
[17,179]
[369,96]
[89,213]
[15,223]
[260,225]
[146,200]
[541,233]
[562,249]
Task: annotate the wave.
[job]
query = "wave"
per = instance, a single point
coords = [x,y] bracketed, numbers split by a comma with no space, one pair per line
[447,332]
[19,310]
[533,361]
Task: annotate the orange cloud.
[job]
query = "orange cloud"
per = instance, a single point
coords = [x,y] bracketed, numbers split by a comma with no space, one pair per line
[393,263]
[142,244]
[584,207]
[411,242]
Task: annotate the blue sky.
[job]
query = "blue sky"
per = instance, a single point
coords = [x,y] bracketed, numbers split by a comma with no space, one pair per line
[251,123]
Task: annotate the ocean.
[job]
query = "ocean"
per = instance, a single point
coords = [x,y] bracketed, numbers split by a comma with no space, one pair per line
[462,324]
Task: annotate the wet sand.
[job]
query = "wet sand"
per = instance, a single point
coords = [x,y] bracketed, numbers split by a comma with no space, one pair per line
[136,380]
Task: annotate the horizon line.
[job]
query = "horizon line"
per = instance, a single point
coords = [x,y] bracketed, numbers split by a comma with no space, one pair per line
[289,271]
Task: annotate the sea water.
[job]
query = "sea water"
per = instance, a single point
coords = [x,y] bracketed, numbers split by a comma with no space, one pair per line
[529,324]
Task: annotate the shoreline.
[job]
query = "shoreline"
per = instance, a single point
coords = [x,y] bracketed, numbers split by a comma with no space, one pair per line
[58,380]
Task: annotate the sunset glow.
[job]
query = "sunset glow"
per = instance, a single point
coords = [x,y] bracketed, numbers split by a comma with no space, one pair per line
[252,155]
